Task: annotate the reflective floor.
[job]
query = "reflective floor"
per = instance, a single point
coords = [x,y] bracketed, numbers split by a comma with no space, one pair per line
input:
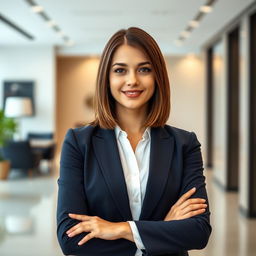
[232,234]
[27,220]
[27,216]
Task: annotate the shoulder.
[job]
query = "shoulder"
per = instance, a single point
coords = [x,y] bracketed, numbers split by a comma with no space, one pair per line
[80,137]
[178,133]
[83,133]
[182,137]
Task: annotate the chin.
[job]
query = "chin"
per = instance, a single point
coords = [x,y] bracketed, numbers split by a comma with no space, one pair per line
[134,107]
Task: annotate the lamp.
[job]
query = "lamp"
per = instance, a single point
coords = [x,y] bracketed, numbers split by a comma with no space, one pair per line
[18,107]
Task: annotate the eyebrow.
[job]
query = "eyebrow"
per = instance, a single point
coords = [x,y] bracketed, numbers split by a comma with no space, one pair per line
[124,65]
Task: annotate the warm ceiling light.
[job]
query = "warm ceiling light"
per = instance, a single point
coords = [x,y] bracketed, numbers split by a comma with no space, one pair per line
[37,8]
[194,23]
[51,23]
[185,34]
[206,8]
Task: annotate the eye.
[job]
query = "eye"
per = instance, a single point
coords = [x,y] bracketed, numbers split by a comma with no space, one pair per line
[145,70]
[119,70]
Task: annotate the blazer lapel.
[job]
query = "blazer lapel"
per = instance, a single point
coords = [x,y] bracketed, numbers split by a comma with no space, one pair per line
[106,151]
[161,151]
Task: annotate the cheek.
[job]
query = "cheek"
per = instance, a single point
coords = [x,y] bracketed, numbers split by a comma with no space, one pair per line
[114,89]
[151,88]
[115,83]
[151,84]
[112,85]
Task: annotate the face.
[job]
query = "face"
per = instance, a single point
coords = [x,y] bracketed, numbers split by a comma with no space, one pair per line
[131,79]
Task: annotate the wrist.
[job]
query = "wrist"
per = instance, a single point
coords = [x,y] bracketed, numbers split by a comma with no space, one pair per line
[125,231]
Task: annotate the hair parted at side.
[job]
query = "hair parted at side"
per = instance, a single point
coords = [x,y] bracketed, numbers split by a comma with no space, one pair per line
[104,103]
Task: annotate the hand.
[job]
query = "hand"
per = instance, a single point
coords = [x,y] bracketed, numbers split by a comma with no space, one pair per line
[185,208]
[99,228]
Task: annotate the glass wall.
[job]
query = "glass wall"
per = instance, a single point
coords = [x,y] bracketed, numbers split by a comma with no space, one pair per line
[219,112]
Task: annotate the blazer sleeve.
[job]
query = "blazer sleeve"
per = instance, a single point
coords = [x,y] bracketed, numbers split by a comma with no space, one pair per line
[71,194]
[163,237]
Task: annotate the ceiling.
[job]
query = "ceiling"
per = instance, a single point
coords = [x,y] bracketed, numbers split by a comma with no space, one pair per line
[89,24]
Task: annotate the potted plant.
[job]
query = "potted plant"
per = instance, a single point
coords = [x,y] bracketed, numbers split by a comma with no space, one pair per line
[8,127]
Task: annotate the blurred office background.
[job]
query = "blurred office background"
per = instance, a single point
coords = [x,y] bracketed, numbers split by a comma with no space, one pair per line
[49,55]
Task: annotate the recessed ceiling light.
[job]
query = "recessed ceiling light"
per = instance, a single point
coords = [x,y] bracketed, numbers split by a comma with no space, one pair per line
[194,23]
[51,23]
[206,8]
[37,8]
[185,34]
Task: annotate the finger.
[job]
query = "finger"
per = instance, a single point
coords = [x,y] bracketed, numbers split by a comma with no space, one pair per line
[75,232]
[193,207]
[79,217]
[76,226]
[187,195]
[73,228]
[80,229]
[192,214]
[191,202]
[86,238]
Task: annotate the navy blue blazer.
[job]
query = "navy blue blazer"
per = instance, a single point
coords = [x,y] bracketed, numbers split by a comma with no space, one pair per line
[92,182]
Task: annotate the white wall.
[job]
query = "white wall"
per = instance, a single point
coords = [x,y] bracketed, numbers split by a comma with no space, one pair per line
[186,75]
[38,64]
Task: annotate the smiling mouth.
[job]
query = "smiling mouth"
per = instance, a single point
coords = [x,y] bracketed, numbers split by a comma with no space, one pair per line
[132,94]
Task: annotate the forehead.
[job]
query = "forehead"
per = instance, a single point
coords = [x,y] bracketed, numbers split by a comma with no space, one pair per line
[129,53]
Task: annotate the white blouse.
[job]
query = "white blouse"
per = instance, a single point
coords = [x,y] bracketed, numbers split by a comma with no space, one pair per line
[136,169]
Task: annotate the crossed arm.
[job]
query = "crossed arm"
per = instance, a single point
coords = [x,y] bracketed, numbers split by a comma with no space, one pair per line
[97,227]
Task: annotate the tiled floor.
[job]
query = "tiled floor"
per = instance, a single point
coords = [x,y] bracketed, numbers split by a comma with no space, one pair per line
[27,220]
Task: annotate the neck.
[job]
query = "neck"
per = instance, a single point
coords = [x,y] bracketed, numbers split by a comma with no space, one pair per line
[132,121]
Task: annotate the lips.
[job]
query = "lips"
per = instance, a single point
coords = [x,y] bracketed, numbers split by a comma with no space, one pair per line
[132,93]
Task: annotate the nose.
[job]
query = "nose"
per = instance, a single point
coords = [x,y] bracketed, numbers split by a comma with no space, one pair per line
[131,78]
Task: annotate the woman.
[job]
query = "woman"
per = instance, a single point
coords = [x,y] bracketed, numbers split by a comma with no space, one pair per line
[130,184]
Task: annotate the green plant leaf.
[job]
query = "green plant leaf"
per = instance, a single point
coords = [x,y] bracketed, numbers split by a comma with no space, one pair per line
[8,126]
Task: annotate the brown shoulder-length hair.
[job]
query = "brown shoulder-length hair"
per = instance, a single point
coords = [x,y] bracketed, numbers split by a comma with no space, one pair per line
[104,103]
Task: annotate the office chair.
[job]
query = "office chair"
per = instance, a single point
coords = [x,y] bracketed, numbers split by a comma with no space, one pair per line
[21,156]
